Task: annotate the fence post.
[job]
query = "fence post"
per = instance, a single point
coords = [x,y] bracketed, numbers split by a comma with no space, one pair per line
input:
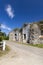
[4,45]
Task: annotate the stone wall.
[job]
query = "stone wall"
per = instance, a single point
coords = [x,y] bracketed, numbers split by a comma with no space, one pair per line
[34,34]
[41,41]
[25,31]
[11,36]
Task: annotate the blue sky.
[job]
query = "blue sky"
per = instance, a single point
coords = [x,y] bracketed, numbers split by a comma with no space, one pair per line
[13,13]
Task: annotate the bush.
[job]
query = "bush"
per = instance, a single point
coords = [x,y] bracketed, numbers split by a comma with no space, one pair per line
[1,38]
[6,38]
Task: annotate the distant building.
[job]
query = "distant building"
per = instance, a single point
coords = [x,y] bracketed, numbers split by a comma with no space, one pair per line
[16,34]
[29,33]
[11,36]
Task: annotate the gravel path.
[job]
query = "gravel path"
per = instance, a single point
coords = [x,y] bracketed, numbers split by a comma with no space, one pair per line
[22,55]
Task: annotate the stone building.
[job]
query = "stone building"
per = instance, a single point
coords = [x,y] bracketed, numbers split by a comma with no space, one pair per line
[25,33]
[16,34]
[34,34]
[11,36]
[20,35]
[29,33]
[41,28]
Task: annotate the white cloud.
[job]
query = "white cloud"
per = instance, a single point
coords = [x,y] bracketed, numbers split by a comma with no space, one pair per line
[5,27]
[10,11]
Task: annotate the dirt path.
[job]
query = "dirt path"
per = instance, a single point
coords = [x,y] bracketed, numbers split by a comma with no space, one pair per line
[22,55]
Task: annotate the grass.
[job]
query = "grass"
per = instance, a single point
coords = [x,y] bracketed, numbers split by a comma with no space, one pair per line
[34,45]
[7,49]
[37,45]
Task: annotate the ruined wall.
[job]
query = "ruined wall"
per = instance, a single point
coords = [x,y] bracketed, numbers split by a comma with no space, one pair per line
[41,39]
[26,31]
[34,34]
[17,35]
[11,36]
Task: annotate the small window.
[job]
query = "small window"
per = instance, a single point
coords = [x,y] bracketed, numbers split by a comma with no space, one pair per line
[24,36]
[15,34]
[41,32]
[32,30]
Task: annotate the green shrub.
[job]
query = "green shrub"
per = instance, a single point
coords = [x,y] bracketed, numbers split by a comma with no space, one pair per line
[1,38]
